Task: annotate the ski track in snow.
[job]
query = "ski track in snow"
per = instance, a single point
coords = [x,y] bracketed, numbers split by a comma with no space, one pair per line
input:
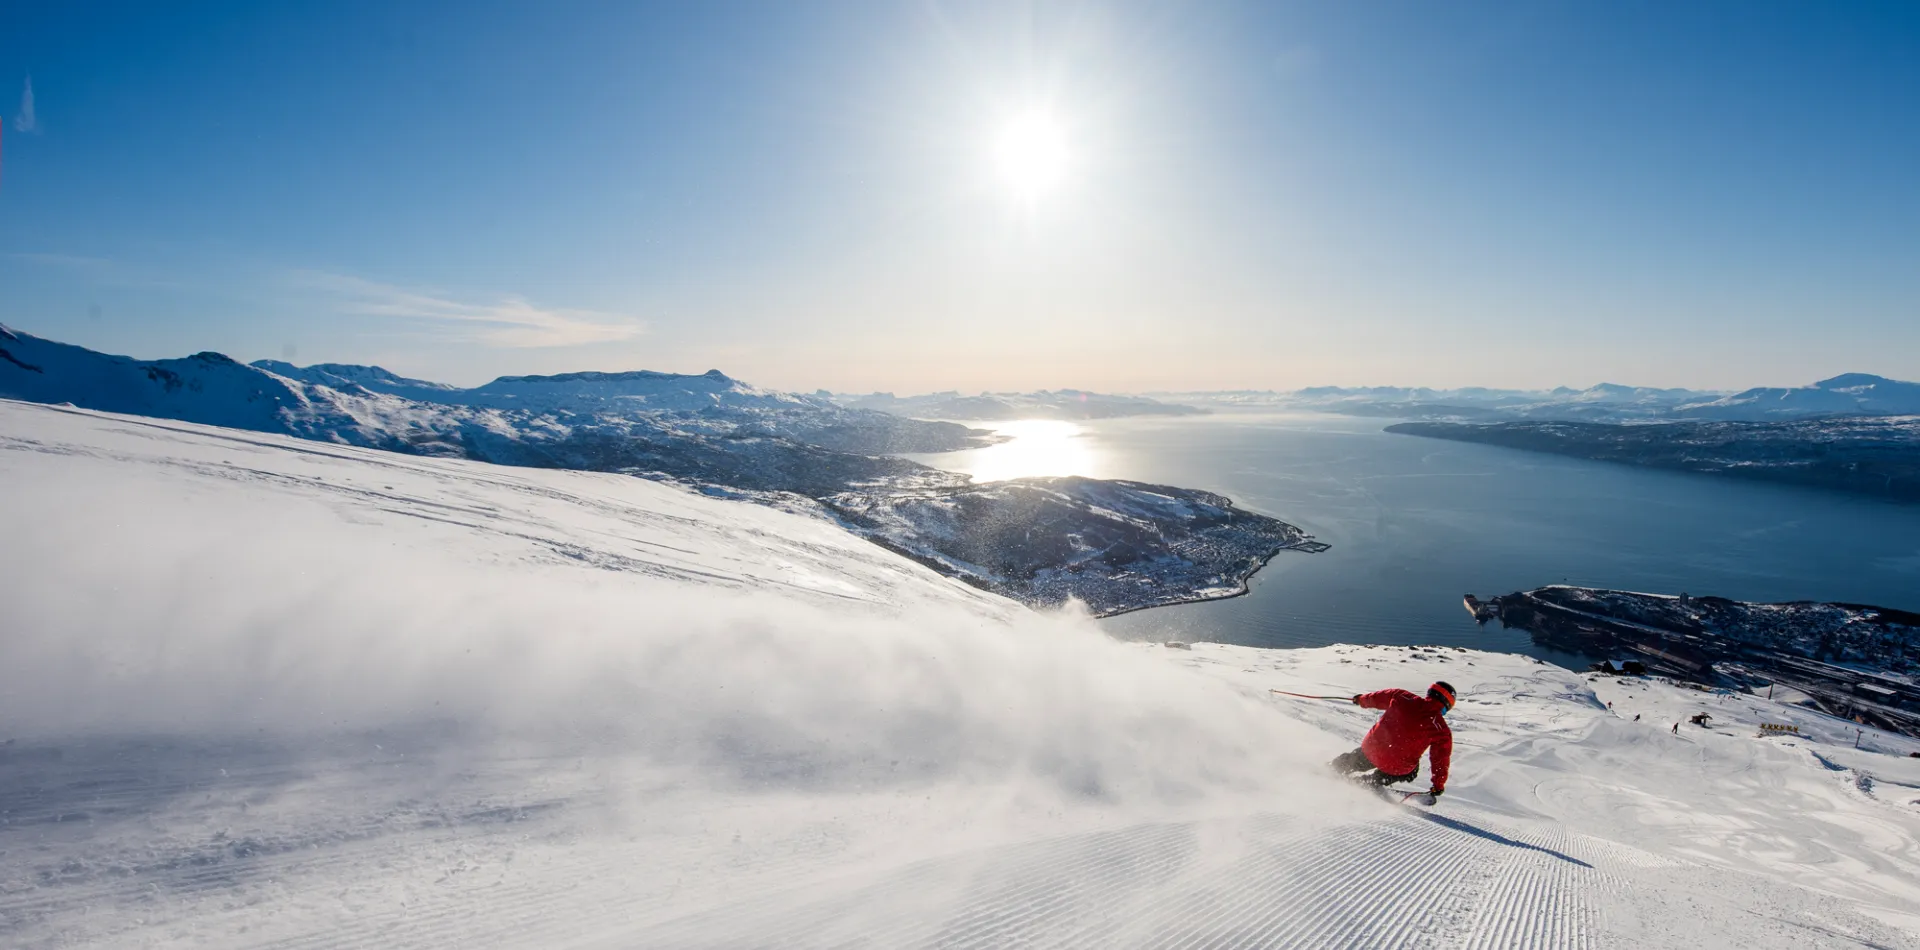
[1566,824]
[516,863]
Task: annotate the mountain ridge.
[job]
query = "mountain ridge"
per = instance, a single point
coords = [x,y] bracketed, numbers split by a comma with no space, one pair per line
[370,405]
[719,435]
[1842,395]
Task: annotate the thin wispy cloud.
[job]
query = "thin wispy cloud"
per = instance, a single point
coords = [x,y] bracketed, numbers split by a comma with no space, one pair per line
[80,262]
[25,120]
[511,322]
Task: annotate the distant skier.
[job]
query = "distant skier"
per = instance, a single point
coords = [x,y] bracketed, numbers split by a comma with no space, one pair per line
[1393,747]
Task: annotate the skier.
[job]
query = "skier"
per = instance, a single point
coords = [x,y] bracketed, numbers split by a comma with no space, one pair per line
[1393,746]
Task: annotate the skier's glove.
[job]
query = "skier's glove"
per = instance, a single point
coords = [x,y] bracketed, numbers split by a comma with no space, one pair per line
[1356,699]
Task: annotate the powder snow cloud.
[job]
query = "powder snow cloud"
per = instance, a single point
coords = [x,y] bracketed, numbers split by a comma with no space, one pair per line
[754,650]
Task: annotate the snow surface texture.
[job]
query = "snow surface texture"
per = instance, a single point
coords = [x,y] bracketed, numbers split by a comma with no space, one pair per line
[267,692]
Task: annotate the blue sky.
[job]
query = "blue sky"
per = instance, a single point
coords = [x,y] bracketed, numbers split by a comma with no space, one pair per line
[1712,194]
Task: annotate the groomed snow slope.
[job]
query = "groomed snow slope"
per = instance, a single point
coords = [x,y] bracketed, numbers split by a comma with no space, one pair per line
[266,692]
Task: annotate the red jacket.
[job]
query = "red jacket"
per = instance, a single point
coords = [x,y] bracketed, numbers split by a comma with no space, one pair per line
[1411,725]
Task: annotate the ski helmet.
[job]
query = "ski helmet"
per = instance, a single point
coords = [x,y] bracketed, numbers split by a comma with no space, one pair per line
[1442,691]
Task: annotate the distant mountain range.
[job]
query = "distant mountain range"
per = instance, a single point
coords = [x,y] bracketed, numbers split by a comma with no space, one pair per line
[1862,454]
[706,427]
[1847,394]
[988,407]
[1116,546]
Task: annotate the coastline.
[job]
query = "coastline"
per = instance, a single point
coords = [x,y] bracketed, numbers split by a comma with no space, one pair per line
[1858,661]
[1866,456]
[1244,583]
[1115,546]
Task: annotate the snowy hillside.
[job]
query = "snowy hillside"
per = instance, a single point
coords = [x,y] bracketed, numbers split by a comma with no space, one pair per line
[347,375]
[266,692]
[1846,394]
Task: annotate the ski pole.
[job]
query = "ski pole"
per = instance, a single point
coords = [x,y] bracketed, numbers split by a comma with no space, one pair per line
[1344,699]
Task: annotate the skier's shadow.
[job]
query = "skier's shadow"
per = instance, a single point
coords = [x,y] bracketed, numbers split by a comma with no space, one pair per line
[1477,832]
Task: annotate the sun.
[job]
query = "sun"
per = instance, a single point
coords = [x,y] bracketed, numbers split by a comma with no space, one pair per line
[1032,155]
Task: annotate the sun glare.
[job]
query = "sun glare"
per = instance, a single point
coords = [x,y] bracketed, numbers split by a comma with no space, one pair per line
[1035,447]
[1032,155]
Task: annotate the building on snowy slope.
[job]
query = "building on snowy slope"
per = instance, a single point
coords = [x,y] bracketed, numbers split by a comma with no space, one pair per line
[1620,667]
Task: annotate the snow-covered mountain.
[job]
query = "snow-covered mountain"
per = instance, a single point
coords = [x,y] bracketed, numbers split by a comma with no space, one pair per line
[639,390]
[1043,404]
[514,419]
[348,375]
[791,451]
[1849,394]
[206,387]
[266,692]
[707,428]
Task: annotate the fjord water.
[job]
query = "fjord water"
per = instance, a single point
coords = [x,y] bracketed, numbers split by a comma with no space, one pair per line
[1415,523]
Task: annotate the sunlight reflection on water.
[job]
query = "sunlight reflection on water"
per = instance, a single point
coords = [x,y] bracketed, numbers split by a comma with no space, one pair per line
[1036,447]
